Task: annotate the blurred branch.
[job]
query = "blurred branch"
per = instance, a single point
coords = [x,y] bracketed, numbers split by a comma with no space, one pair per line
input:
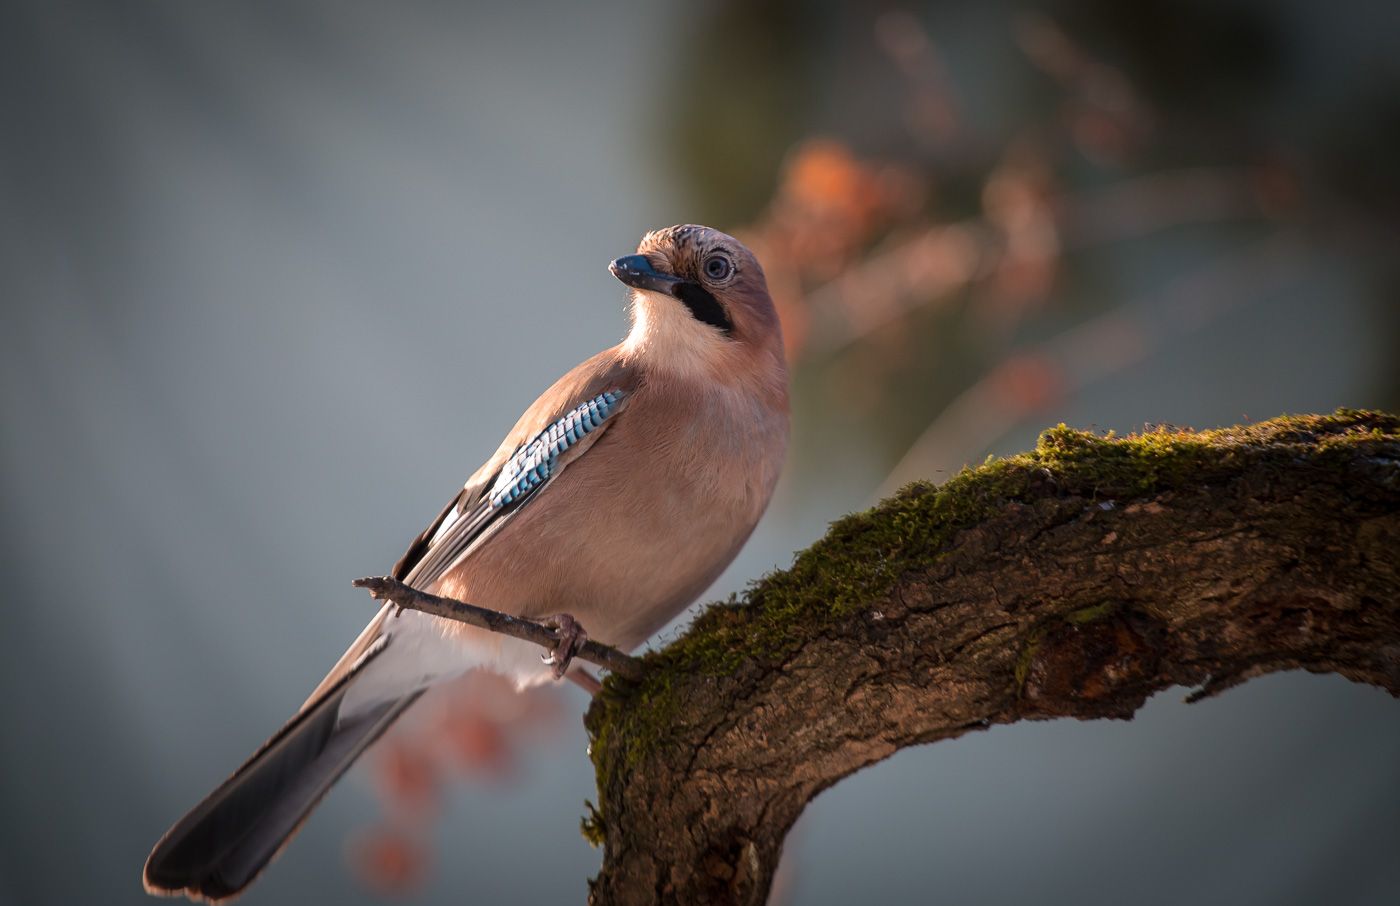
[929,266]
[385,588]
[1073,581]
[932,113]
[1147,204]
[1039,376]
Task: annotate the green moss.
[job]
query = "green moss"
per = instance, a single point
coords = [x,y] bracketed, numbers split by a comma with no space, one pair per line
[592,827]
[1026,657]
[1092,614]
[864,555]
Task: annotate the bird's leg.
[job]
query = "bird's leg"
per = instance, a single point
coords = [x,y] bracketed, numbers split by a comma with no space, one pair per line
[571,639]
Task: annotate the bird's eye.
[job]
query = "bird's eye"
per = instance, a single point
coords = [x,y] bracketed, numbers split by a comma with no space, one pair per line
[718,267]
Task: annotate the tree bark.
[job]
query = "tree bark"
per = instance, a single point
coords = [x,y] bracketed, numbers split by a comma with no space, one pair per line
[1073,581]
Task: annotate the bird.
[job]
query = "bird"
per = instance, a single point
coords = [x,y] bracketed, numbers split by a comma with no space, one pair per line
[619,496]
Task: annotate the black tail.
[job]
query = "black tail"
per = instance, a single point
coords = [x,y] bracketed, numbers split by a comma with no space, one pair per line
[225,841]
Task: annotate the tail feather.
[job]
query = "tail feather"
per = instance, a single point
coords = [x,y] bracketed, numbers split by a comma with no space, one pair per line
[225,841]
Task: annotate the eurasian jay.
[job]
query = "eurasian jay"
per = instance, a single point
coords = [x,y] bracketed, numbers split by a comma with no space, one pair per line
[616,499]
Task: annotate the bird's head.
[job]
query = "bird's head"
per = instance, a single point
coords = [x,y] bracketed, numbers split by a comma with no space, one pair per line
[699,302]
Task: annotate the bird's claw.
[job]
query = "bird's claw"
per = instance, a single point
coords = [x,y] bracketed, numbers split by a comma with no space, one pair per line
[571,638]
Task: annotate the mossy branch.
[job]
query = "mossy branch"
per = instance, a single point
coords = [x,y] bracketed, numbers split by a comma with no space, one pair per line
[1072,581]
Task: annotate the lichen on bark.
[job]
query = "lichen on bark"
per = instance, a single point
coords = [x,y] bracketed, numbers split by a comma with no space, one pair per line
[1072,580]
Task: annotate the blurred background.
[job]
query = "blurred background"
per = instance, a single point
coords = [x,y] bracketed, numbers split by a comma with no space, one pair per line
[277,276]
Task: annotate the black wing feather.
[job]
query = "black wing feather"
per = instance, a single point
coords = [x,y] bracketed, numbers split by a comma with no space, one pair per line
[420,545]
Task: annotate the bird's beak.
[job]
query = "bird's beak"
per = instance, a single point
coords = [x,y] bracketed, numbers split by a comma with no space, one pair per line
[636,271]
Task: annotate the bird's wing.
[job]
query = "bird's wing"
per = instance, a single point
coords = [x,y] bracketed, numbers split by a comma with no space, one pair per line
[534,464]
[559,427]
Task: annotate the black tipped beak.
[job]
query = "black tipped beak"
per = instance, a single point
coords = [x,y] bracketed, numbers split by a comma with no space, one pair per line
[636,271]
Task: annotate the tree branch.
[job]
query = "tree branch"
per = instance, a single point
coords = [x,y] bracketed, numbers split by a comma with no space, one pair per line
[1072,581]
[386,588]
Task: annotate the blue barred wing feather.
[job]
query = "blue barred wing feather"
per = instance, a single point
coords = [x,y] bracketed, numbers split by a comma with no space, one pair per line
[470,517]
[535,462]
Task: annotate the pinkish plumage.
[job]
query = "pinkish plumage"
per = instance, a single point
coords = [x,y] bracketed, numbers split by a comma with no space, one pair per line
[623,529]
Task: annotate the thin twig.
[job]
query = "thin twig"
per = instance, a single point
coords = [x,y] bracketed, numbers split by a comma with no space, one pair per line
[384,588]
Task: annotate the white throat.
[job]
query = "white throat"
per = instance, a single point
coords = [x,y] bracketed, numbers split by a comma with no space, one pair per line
[666,336]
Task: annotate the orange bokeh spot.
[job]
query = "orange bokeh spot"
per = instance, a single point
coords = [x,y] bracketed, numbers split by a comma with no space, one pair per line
[407,776]
[390,862]
[1027,383]
[477,742]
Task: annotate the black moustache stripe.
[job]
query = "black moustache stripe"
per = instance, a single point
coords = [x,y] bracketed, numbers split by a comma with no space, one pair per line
[703,306]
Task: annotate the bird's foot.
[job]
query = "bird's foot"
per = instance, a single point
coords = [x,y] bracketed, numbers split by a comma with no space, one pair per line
[571,638]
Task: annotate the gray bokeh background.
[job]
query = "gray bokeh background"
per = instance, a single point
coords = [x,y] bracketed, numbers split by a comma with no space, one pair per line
[277,276]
